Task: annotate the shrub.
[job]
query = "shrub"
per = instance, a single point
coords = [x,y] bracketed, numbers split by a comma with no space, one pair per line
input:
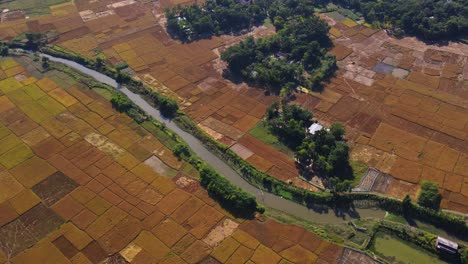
[429,196]
[121,102]
[232,197]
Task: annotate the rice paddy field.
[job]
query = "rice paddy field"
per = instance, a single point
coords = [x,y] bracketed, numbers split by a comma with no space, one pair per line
[403,102]
[82,183]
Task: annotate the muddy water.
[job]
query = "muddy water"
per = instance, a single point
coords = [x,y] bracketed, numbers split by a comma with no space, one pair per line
[318,215]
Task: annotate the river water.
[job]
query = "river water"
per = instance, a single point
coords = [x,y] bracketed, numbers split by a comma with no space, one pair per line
[319,215]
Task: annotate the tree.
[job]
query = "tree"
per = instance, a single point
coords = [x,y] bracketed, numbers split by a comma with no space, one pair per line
[337,131]
[429,195]
[45,62]
[4,50]
[121,102]
[34,40]
[464,256]
[100,60]
[182,150]
[168,107]
[406,205]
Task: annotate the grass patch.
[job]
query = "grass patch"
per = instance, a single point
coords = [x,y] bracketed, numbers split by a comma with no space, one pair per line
[359,171]
[261,132]
[164,138]
[190,170]
[396,250]
[395,218]
[104,93]
[267,23]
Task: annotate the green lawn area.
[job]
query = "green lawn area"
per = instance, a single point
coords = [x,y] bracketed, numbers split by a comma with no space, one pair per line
[396,250]
[359,171]
[261,132]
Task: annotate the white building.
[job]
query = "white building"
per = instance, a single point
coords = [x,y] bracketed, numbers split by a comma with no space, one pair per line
[314,128]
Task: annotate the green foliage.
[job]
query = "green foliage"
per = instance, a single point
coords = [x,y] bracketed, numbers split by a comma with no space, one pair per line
[296,55]
[121,102]
[288,122]
[45,62]
[35,40]
[214,17]
[168,107]
[261,132]
[427,19]
[4,50]
[228,195]
[429,196]
[182,150]
[100,60]
[464,256]
[406,205]
[120,66]
[326,153]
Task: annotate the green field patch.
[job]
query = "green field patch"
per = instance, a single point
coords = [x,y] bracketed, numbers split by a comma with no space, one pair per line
[36,112]
[190,170]
[46,84]
[9,142]
[4,131]
[66,4]
[9,85]
[15,156]
[359,171]
[8,63]
[62,79]
[63,97]
[51,105]
[396,250]
[34,91]
[261,132]
[336,16]
[20,97]
[32,7]
[160,135]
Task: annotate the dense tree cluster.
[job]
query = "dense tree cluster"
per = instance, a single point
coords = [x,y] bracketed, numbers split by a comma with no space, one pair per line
[428,19]
[214,17]
[429,196]
[324,153]
[229,196]
[296,55]
[288,122]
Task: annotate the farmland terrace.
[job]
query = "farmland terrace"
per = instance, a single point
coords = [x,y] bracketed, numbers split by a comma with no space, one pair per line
[403,102]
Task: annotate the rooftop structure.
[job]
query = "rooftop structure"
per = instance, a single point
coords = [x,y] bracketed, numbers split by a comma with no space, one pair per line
[446,245]
[314,128]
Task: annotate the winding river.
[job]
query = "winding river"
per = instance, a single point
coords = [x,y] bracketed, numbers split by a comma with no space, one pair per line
[268,199]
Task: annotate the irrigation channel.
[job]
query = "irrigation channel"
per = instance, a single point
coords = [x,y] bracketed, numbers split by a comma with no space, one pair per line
[268,199]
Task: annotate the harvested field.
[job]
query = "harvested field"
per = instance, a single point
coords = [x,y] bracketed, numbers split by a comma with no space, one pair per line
[401,119]
[67,199]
